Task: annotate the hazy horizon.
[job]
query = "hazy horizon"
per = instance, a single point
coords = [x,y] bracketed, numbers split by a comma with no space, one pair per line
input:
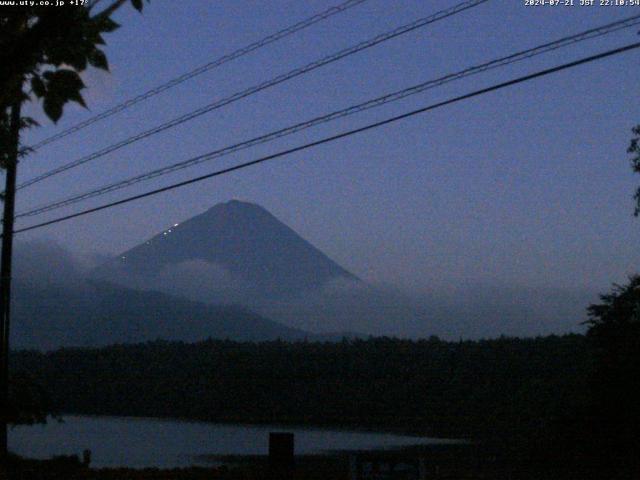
[524,190]
[467,309]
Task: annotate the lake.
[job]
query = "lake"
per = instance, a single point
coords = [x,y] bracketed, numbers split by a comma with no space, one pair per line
[149,442]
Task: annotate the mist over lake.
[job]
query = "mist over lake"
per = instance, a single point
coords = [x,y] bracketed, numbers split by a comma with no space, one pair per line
[148,442]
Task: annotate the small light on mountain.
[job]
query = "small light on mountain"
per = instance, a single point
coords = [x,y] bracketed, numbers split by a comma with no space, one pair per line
[176,224]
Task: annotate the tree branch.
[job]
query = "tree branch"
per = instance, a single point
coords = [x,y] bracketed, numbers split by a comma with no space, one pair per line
[107,12]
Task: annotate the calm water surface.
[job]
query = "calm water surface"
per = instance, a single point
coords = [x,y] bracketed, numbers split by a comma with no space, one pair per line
[146,442]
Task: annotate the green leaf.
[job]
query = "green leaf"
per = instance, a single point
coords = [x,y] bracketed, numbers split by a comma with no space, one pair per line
[105,24]
[38,87]
[64,82]
[53,108]
[77,60]
[63,86]
[98,59]
[77,97]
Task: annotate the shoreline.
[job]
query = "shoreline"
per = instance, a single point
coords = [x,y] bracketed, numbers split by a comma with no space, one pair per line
[292,424]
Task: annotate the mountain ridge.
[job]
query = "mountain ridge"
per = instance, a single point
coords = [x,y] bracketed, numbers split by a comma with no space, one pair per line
[98,313]
[245,240]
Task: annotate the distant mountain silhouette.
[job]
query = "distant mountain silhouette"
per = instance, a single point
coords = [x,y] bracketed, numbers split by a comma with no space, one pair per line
[204,278]
[244,240]
[95,314]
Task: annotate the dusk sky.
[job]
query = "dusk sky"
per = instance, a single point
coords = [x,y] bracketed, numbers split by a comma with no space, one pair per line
[528,186]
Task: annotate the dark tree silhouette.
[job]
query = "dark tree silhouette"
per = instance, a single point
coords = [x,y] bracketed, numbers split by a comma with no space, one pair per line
[614,332]
[502,387]
[43,50]
[28,402]
[634,149]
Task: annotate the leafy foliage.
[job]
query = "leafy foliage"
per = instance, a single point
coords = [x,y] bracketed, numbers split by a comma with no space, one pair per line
[614,331]
[25,123]
[634,148]
[45,49]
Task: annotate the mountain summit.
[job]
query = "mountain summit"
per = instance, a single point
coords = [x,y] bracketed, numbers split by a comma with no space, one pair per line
[242,239]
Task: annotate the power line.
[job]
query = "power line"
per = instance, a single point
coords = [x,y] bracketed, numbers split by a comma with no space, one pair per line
[345,134]
[262,86]
[392,97]
[274,37]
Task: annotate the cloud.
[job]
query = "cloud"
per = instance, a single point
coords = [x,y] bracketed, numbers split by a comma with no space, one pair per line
[45,263]
[464,310]
[193,279]
[202,281]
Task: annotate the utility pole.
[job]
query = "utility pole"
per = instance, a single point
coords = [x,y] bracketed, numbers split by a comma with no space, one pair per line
[29,37]
[5,270]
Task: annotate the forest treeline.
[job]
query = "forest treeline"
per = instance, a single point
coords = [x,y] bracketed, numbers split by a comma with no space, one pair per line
[434,387]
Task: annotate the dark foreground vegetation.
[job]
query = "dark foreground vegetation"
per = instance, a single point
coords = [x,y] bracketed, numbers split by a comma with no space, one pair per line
[552,407]
[509,394]
[454,462]
[457,389]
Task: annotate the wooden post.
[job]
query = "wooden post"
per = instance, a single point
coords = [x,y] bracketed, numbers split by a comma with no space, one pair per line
[5,273]
[281,453]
